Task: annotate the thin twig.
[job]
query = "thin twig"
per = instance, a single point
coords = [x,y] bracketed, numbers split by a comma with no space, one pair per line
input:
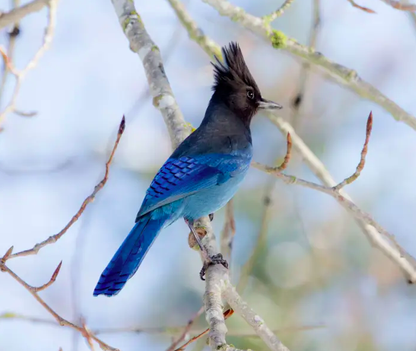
[20,75]
[366,9]
[61,321]
[170,330]
[7,61]
[252,318]
[252,335]
[227,314]
[54,238]
[185,330]
[270,18]
[228,232]
[400,6]
[288,153]
[89,337]
[75,277]
[396,252]
[34,290]
[353,209]
[51,281]
[361,164]
[398,255]
[25,114]
[12,35]
[340,74]
[15,316]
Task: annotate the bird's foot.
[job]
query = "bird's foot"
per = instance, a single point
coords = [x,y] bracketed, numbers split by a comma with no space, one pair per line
[216,259]
[211,217]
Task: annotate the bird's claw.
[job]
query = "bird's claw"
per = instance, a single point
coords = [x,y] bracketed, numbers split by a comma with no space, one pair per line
[216,259]
[211,217]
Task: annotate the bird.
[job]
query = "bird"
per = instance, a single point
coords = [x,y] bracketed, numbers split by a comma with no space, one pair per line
[202,174]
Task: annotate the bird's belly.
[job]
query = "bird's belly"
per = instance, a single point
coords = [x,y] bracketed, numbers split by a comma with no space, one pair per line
[210,200]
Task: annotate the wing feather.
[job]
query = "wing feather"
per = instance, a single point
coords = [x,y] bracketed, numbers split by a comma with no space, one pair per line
[179,178]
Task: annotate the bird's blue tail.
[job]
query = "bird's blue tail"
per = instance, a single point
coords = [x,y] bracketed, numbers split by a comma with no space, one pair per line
[129,256]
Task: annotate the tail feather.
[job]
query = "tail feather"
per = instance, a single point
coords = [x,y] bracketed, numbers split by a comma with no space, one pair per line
[129,256]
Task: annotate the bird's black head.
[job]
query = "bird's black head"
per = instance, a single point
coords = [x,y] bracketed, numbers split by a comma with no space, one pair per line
[235,86]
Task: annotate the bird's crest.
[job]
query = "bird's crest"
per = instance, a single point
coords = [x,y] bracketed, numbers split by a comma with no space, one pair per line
[233,70]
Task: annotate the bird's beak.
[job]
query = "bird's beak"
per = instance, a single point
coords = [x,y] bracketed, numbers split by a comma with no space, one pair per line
[269,105]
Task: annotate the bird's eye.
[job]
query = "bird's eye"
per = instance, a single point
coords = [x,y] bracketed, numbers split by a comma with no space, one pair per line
[250,94]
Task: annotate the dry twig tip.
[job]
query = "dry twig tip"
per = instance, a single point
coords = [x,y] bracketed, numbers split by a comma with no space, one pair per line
[364,150]
[51,281]
[398,5]
[6,255]
[365,9]
[288,154]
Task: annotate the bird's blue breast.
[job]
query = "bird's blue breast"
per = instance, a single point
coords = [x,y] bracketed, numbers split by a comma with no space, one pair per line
[195,186]
[211,199]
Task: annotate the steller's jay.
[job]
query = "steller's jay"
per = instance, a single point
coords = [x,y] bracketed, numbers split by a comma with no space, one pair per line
[201,175]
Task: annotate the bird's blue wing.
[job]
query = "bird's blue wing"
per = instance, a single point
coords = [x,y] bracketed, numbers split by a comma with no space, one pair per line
[182,177]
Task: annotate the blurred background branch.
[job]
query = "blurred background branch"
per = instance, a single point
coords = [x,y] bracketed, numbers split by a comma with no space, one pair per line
[20,74]
[53,239]
[12,35]
[398,5]
[18,13]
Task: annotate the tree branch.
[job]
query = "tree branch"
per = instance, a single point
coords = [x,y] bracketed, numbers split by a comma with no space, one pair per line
[185,331]
[216,275]
[340,74]
[365,9]
[61,321]
[253,319]
[399,6]
[54,238]
[20,75]
[12,35]
[280,11]
[377,235]
[227,314]
[361,164]
[17,14]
